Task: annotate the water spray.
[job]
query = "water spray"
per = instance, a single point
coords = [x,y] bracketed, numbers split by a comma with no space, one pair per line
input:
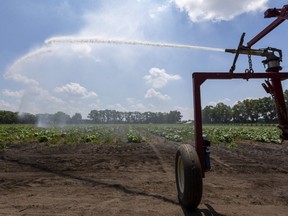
[30,55]
[93,40]
[10,73]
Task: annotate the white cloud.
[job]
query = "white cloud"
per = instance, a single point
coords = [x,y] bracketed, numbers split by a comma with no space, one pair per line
[217,10]
[82,49]
[136,104]
[11,74]
[116,20]
[4,105]
[16,94]
[226,101]
[95,105]
[151,93]
[76,90]
[187,112]
[38,100]
[130,100]
[159,78]
[139,106]
[153,13]
[118,107]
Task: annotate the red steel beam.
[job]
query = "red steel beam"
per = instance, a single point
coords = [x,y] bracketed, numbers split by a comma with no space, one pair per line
[202,76]
[282,16]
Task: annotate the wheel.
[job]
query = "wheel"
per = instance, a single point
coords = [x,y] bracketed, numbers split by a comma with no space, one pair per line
[188,177]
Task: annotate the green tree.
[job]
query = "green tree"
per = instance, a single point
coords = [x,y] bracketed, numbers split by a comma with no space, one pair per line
[251,110]
[237,113]
[266,108]
[61,118]
[222,113]
[8,117]
[76,118]
[26,118]
[174,116]
[245,111]
[94,116]
[207,114]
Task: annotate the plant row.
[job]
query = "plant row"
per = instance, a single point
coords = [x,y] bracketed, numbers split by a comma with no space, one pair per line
[227,134]
[101,134]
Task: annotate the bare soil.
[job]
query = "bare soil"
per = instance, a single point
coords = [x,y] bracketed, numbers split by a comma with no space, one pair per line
[138,179]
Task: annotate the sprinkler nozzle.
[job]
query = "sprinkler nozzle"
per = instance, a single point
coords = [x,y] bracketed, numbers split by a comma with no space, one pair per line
[231,50]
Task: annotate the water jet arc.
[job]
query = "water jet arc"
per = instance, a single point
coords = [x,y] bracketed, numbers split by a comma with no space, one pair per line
[75,40]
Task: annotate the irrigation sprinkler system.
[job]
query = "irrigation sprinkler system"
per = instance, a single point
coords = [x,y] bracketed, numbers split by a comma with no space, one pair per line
[191,164]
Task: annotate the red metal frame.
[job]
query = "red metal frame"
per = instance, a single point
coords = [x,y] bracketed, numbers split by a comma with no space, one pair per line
[200,77]
[275,88]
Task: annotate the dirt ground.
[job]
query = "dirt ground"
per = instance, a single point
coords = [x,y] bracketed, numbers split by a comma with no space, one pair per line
[138,179]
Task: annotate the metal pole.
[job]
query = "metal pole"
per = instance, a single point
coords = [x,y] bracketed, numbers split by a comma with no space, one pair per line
[278,95]
[198,122]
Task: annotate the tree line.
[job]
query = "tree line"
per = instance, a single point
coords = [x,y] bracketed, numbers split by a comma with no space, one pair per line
[260,110]
[95,116]
[113,116]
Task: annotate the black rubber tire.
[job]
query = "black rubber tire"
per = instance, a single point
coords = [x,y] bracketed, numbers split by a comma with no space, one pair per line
[188,177]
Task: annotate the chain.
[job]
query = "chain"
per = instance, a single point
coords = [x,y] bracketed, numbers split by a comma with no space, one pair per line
[250,70]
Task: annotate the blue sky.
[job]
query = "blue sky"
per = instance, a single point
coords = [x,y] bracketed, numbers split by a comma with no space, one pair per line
[37,77]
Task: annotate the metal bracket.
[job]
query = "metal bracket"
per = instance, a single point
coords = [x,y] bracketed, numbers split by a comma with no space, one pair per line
[240,45]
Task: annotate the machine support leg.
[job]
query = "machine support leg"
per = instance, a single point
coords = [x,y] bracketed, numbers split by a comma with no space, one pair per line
[279,100]
[199,146]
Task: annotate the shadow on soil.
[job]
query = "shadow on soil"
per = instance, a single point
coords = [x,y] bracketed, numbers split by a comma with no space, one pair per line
[210,211]
[92,182]
[187,212]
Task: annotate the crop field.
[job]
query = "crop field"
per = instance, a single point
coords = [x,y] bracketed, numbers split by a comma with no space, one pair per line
[219,134]
[129,170]
[101,134]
